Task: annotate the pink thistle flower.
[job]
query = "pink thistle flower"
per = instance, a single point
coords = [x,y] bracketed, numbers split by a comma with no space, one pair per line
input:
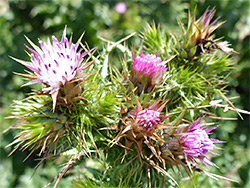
[55,64]
[195,142]
[147,119]
[150,117]
[141,126]
[147,70]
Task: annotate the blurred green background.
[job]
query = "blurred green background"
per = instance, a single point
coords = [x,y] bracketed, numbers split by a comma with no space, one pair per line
[41,19]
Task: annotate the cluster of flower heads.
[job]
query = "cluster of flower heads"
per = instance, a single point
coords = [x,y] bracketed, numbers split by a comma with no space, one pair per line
[147,71]
[57,65]
[142,125]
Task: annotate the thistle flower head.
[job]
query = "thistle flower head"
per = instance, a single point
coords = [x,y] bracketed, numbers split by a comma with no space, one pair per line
[147,70]
[147,119]
[55,64]
[140,125]
[200,30]
[197,37]
[195,142]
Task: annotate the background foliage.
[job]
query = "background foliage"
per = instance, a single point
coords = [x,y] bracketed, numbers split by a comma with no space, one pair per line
[41,19]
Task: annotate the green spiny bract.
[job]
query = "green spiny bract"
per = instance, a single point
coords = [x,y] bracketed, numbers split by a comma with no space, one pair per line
[39,127]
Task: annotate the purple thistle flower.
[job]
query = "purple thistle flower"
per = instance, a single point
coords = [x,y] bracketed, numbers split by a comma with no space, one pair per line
[150,117]
[120,7]
[55,64]
[147,70]
[195,142]
[147,119]
[141,125]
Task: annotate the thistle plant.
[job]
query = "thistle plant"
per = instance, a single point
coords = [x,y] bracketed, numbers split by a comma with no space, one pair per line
[132,120]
